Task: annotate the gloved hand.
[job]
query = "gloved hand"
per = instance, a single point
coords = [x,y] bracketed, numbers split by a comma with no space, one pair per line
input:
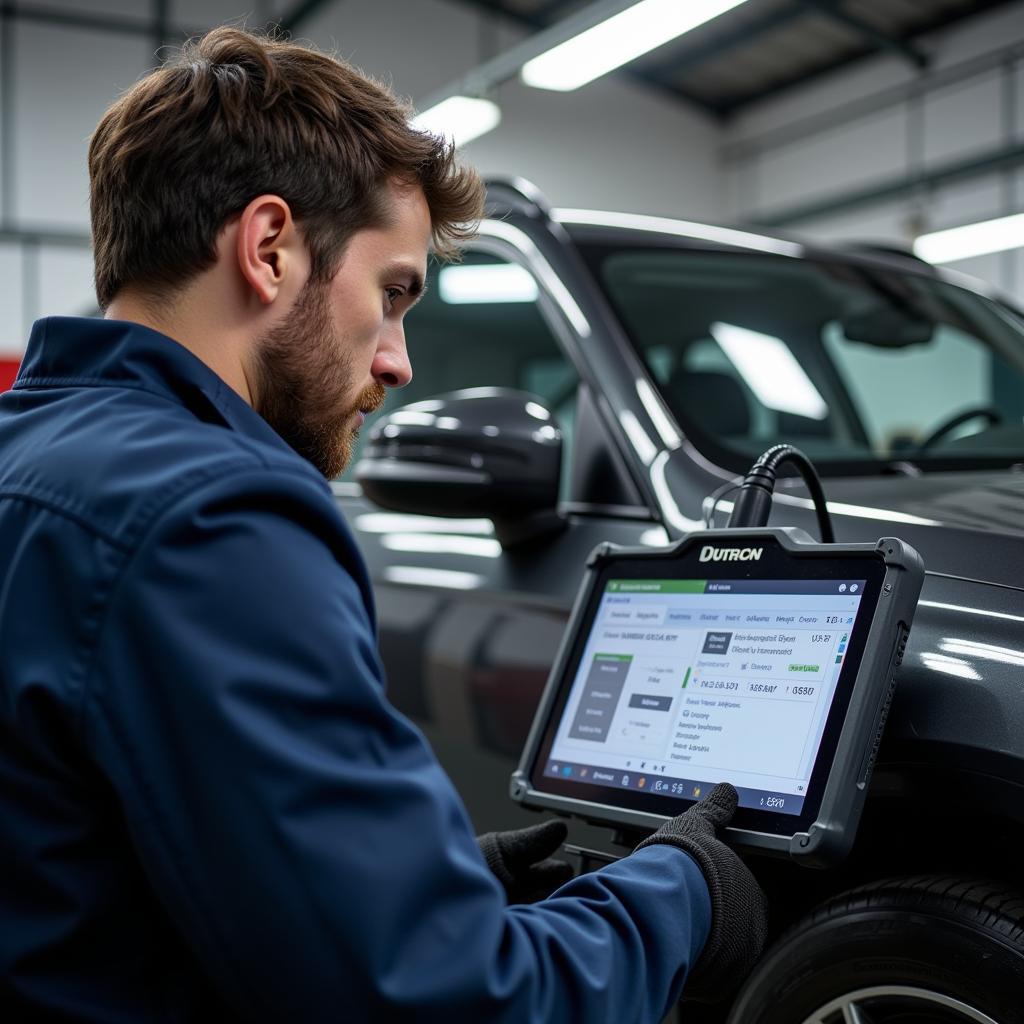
[519,861]
[739,910]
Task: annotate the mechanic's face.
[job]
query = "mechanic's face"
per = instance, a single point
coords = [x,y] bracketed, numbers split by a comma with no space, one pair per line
[328,363]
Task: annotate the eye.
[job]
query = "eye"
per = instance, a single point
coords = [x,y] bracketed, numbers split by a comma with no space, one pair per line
[392,295]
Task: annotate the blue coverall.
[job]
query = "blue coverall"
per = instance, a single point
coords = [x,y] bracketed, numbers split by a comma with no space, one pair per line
[208,808]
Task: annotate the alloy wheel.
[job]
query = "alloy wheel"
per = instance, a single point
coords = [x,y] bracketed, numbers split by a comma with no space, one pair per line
[897,1004]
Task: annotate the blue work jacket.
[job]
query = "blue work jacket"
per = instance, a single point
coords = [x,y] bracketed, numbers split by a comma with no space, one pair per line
[208,808]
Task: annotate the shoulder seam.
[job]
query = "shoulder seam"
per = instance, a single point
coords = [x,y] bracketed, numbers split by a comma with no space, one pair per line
[58,506]
[82,667]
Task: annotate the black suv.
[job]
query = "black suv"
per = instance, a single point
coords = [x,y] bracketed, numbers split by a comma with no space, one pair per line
[585,376]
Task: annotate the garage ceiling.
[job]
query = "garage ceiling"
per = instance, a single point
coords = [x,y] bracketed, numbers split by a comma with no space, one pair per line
[765,46]
[753,51]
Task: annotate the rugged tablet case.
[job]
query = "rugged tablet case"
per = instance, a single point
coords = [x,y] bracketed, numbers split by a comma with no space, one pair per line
[828,840]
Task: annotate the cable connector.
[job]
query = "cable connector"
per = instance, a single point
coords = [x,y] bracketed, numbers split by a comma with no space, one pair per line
[754,502]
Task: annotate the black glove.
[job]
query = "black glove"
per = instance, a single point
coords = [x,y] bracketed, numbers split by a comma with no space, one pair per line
[518,860]
[739,912]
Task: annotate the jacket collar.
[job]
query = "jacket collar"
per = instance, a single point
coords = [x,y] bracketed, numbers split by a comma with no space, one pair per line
[67,351]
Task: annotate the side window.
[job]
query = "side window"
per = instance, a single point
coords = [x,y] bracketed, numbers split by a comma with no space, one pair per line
[480,325]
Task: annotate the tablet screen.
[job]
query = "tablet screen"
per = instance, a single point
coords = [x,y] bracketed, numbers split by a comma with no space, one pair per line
[682,683]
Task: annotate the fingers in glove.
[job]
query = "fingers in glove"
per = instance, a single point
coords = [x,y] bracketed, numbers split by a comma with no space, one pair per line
[542,880]
[490,847]
[553,873]
[718,806]
[527,846]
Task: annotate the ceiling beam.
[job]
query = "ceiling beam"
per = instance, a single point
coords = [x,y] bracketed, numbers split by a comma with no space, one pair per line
[897,187]
[937,24]
[876,38]
[67,18]
[29,235]
[545,37]
[864,106]
[691,56]
[550,11]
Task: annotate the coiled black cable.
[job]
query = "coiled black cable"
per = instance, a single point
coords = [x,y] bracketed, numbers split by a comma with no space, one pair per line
[754,501]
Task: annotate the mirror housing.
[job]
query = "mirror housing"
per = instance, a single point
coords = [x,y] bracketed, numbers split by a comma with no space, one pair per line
[885,327]
[491,453]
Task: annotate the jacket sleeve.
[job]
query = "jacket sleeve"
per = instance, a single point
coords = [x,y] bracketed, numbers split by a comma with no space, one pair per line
[299,831]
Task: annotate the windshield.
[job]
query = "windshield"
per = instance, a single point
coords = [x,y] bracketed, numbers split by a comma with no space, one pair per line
[852,363]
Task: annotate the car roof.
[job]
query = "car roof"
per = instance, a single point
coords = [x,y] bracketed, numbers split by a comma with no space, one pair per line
[509,197]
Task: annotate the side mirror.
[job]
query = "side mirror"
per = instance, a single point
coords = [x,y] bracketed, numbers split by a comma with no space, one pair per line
[492,453]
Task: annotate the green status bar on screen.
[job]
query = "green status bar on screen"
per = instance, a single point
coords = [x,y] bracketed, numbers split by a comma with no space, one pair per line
[656,586]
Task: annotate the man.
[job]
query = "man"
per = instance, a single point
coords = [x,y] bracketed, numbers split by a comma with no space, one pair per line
[208,809]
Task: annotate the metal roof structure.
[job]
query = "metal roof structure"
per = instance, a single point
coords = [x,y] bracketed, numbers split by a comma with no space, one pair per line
[764,47]
[756,50]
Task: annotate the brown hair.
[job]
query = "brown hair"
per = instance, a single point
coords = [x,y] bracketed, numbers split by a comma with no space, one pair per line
[236,115]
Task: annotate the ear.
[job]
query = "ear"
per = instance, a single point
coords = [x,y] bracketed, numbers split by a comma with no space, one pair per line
[268,246]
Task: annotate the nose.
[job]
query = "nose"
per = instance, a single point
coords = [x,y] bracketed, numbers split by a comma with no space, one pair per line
[391,366]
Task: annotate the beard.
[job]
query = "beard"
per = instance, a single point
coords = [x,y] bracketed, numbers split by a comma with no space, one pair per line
[302,377]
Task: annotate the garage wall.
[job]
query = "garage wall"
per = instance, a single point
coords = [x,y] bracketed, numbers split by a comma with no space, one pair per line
[60,79]
[880,124]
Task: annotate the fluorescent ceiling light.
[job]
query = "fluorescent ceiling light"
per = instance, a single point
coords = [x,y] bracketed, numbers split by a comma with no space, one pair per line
[770,370]
[498,282]
[971,240]
[618,40]
[459,118]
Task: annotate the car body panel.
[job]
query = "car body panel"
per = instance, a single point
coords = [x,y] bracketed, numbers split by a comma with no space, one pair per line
[469,629]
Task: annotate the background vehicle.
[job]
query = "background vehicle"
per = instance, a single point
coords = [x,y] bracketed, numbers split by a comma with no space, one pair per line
[661,358]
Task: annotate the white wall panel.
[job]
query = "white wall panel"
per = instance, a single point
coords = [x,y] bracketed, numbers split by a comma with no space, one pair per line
[885,224]
[415,48]
[65,283]
[960,42]
[826,93]
[4,27]
[963,119]
[136,9]
[986,269]
[199,14]
[976,36]
[768,170]
[65,80]
[965,202]
[835,161]
[613,143]
[616,150]
[12,321]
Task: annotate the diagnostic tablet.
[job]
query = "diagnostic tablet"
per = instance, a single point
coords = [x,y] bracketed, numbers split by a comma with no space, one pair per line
[755,657]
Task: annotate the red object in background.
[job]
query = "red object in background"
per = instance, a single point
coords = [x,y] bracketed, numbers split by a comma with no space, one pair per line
[8,371]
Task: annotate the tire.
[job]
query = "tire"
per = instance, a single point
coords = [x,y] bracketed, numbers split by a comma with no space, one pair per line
[925,950]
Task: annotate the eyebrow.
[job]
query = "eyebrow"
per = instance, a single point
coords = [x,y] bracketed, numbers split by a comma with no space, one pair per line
[417,285]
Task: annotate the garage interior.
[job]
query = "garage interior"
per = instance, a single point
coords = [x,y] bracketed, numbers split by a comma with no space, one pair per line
[872,121]
[878,127]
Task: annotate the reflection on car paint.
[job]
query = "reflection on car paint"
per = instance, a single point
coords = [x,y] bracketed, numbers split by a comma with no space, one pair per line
[423,576]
